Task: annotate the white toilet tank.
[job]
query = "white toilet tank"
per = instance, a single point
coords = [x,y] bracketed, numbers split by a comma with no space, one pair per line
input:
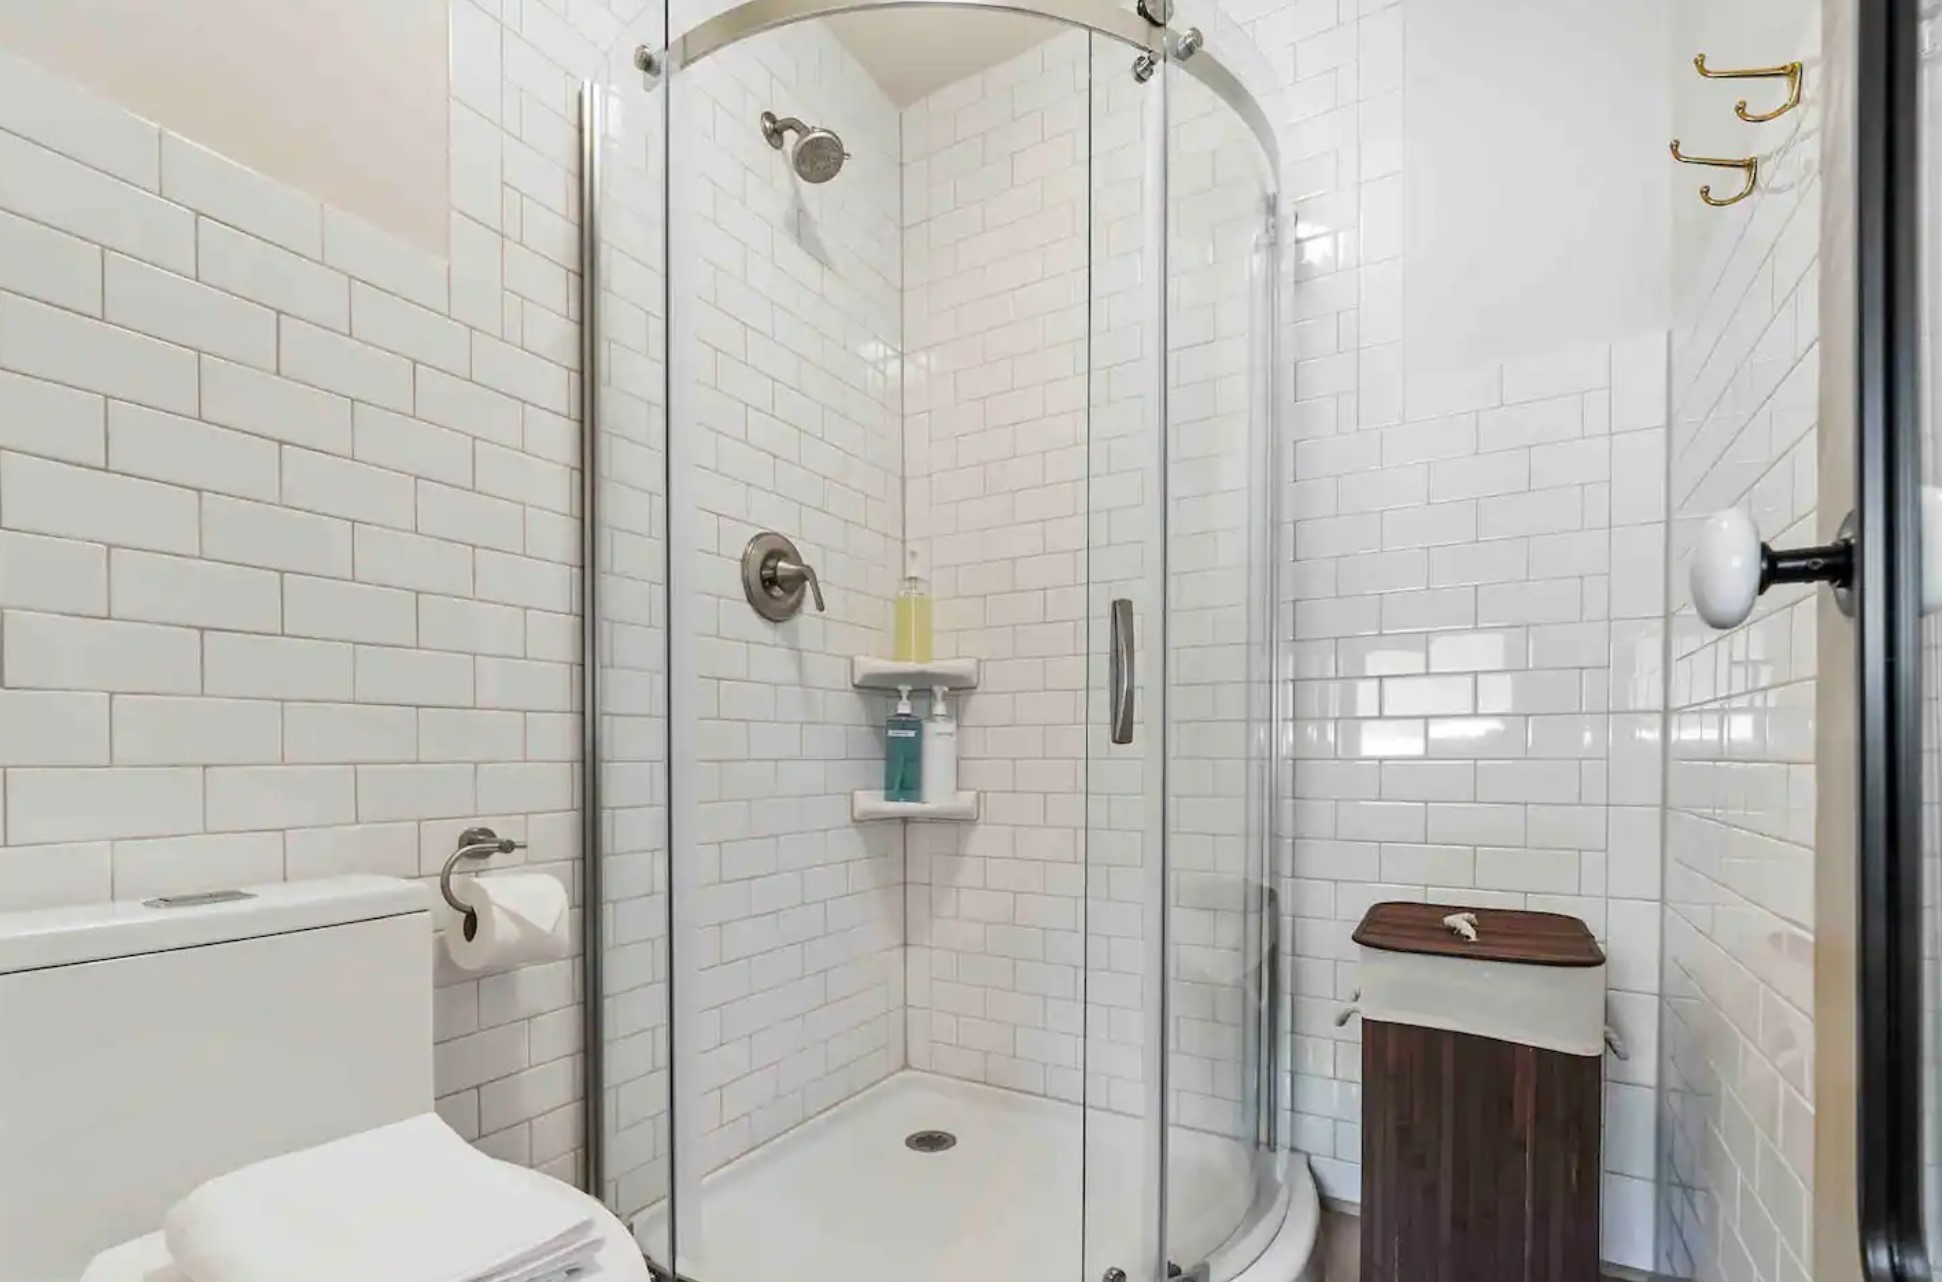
[145,1047]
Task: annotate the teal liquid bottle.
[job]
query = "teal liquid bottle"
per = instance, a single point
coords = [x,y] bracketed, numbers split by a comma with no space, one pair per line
[903,753]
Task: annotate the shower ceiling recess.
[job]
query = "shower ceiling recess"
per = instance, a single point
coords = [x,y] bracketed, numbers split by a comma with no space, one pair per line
[1186,47]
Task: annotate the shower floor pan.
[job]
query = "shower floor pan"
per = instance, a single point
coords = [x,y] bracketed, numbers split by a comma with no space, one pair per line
[842,1198]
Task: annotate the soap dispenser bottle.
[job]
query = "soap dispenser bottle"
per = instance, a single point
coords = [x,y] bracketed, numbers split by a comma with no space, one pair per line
[903,753]
[940,752]
[912,642]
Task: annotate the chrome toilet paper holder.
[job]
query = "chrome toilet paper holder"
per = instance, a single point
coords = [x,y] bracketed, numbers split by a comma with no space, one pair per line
[474,843]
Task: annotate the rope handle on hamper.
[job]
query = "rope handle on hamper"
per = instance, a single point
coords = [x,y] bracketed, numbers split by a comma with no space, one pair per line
[1615,1043]
[1349,1012]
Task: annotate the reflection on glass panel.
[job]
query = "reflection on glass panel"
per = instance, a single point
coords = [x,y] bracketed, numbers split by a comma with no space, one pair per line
[630,681]
[1124,743]
[1225,1202]
[789,916]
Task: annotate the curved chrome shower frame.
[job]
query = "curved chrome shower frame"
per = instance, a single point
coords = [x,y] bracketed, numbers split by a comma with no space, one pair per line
[1187,49]
[1291,1243]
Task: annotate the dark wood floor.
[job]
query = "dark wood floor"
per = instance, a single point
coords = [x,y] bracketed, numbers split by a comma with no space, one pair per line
[1342,1248]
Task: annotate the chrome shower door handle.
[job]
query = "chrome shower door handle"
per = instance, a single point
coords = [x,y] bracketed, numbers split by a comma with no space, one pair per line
[1122,670]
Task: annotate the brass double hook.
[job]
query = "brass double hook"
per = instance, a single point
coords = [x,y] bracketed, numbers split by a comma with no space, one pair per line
[1751,165]
[1791,70]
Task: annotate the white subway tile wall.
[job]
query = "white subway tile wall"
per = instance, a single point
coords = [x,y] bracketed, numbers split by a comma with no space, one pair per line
[1736,1165]
[1477,697]
[1474,618]
[289,528]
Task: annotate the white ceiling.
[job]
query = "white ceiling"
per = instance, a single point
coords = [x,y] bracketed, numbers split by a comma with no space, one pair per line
[912,53]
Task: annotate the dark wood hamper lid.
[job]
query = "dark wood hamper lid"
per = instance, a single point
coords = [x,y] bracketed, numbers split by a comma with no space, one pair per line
[1503,934]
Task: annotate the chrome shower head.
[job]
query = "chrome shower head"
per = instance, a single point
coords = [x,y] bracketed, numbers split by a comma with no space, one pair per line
[818,155]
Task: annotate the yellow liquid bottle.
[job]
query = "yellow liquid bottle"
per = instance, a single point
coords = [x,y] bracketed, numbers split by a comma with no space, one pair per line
[911,642]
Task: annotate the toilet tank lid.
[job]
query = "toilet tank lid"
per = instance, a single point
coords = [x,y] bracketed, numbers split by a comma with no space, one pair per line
[39,938]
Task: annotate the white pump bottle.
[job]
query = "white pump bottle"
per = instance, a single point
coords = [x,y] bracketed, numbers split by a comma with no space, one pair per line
[940,778]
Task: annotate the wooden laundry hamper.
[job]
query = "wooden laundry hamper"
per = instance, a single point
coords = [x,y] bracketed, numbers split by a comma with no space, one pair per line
[1482,1069]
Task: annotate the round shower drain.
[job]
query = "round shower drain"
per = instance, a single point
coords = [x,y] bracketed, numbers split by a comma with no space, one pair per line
[930,1141]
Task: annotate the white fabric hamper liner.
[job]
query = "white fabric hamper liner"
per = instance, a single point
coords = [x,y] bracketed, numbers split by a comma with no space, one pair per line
[1554,1007]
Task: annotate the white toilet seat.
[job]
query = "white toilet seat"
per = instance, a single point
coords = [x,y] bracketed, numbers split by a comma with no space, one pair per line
[146,1259]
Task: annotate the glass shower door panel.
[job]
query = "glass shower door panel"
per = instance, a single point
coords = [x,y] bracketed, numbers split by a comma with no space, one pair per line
[789,935]
[1125,625]
[1223,953]
[625,132]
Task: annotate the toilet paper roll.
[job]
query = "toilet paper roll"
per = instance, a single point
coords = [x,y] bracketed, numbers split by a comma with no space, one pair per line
[522,919]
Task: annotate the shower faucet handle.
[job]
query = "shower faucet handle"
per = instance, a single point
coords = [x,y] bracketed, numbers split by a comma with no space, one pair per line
[791,575]
[776,578]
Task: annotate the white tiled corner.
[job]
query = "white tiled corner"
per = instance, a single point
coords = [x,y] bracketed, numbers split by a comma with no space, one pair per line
[218,402]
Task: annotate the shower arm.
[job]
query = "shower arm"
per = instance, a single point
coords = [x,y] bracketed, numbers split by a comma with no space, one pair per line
[775,127]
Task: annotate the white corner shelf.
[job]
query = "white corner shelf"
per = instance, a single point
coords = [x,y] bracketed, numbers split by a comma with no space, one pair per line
[865,806]
[867,673]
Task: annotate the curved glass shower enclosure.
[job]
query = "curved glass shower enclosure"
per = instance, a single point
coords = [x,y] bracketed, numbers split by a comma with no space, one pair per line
[987,293]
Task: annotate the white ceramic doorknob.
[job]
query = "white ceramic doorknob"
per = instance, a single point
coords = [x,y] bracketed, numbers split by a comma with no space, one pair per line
[1731,566]
[1725,570]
